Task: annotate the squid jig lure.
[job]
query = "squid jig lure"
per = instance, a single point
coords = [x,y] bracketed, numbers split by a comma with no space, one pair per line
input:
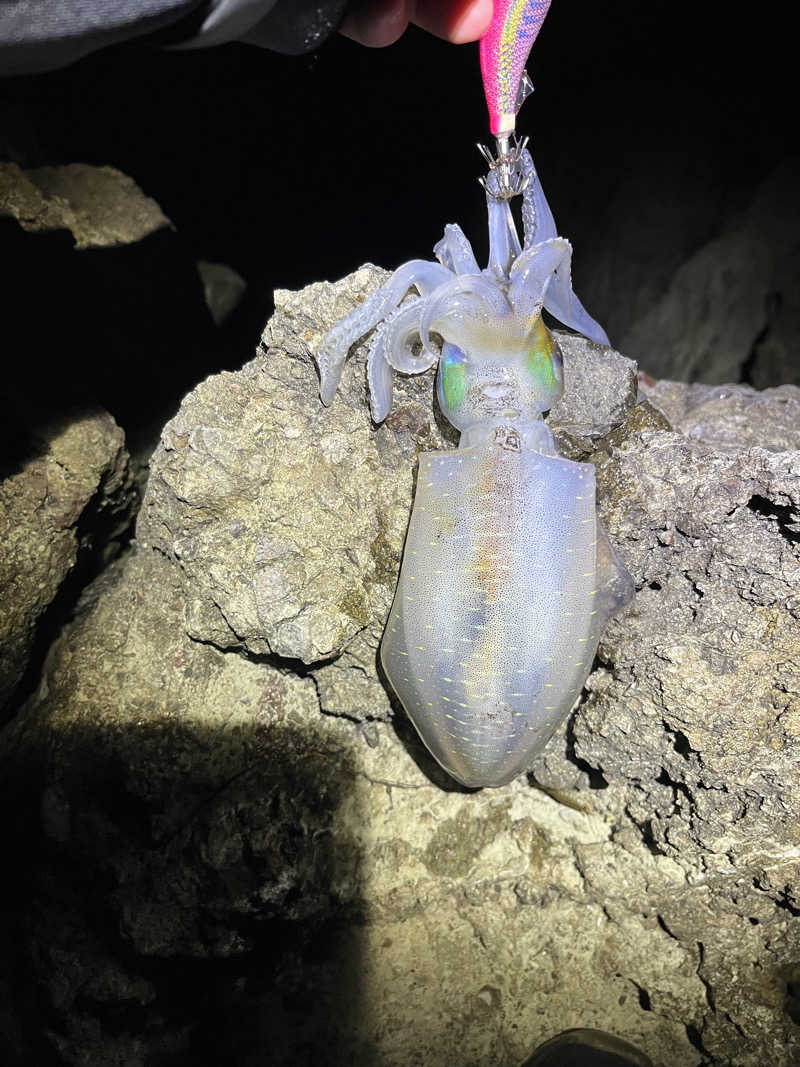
[508,578]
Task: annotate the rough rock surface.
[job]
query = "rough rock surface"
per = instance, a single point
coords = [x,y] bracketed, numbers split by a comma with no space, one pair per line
[226,861]
[731,417]
[65,493]
[349,903]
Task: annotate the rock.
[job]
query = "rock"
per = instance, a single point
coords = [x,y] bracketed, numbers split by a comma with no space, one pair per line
[775,356]
[731,417]
[600,391]
[223,288]
[66,496]
[287,519]
[100,206]
[688,258]
[730,310]
[207,849]
[225,861]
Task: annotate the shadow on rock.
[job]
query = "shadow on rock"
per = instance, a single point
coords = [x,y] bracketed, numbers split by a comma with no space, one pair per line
[183,867]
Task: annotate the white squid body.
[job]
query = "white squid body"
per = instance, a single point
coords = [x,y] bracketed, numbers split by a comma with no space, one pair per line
[507,578]
[506,584]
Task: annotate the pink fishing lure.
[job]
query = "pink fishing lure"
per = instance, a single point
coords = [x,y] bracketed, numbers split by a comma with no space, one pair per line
[504,51]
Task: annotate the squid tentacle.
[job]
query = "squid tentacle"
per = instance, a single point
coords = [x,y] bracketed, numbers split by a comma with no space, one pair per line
[380,377]
[425,276]
[392,350]
[538,223]
[401,331]
[530,276]
[455,252]
[542,276]
[336,343]
[504,246]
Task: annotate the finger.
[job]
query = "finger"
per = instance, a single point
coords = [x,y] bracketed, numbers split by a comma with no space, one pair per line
[457,21]
[376,23]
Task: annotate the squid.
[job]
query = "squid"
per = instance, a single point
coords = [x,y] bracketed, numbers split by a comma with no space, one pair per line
[508,577]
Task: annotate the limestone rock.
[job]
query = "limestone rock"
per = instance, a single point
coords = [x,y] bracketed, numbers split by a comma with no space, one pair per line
[230,856]
[65,494]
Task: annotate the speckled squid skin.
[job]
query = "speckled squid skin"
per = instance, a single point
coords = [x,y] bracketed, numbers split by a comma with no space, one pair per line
[497,615]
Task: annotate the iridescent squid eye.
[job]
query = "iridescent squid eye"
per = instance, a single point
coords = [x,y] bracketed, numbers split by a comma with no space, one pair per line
[452,377]
[543,359]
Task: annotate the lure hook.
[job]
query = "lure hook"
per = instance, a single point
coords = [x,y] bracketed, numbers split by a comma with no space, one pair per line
[506,177]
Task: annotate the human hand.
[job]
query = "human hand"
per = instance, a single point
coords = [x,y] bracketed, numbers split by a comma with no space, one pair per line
[377,23]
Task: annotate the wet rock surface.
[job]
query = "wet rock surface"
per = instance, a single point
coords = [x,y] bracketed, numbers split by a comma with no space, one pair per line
[239,844]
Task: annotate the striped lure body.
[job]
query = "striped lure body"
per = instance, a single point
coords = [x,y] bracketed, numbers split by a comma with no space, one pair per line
[504,51]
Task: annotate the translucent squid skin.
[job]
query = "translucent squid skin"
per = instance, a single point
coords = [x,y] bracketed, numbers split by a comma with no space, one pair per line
[507,579]
[496,620]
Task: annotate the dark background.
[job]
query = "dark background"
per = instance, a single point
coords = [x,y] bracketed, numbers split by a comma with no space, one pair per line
[651,124]
[307,166]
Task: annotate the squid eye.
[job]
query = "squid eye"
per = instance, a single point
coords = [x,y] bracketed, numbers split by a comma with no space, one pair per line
[452,377]
[543,358]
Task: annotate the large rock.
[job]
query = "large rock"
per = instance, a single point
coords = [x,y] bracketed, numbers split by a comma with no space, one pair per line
[66,496]
[730,310]
[218,868]
[235,850]
[689,258]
